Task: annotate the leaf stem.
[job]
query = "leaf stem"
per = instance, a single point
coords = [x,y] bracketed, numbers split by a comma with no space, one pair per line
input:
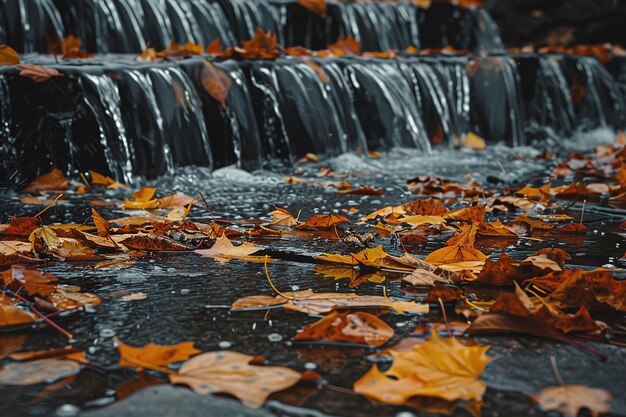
[555,369]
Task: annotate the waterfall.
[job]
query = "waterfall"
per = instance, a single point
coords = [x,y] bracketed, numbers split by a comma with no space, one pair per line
[103,98]
[385,105]
[183,122]
[496,108]
[597,100]
[547,103]
[150,152]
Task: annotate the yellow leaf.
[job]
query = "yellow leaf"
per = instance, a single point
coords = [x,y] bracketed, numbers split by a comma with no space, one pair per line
[474,141]
[441,368]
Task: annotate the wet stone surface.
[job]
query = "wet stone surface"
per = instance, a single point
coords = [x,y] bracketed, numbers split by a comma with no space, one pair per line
[188,298]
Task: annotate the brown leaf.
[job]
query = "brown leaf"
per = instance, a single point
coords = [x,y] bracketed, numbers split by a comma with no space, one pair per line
[52,181]
[148,242]
[231,373]
[14,316]
[345,46]
[215,48]
[570,399]
[36,372]
[473,214]
[261,46]
[38,73]
[455,254]
[579,322]
[8,56]
[358,327]
[215,82]
[317,7]
[324,221]
[102,225]
[425,207]
[321,303]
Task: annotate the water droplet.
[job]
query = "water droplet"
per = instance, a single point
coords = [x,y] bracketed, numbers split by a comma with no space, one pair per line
[224,344]
[107,333]
[67,410]
[92,349]
[274,337]
[184,291]
[310,366]
[294,288]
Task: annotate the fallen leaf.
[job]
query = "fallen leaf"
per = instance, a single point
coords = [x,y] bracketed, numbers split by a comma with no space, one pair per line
[323,221]
[65,299]
[102,225]
[14,316]
[570,399]
[321,303]
[358,327]
[38,73]
[455,254]
[231,373]
[37,372]
[441,368]
[579,322]
[52,181]
[149,242]
[283,218]
[474,214]
[473,141]
[154,356]
[223,250]
[8,56]
[99,179]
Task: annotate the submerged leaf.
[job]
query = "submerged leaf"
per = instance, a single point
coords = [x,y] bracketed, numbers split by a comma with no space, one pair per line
[231,373]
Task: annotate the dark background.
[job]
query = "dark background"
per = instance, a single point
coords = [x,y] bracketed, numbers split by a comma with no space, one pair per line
[560,22]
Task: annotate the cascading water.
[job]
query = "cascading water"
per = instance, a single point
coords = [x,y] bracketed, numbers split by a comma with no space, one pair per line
[496,107]
[130,118]
[548,108]
[29,24]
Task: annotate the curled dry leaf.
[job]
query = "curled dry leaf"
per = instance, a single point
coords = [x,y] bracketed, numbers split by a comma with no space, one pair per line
[102,225]
[570,399]
[36,372]
[441,368]
[154,356]
[321,303]
[282,217]
[358,327]
[231,373]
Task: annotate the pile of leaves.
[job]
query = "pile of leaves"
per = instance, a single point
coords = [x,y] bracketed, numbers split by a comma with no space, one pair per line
[470,225]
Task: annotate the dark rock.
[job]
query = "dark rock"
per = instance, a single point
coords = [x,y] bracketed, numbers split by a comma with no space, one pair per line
[168,401]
